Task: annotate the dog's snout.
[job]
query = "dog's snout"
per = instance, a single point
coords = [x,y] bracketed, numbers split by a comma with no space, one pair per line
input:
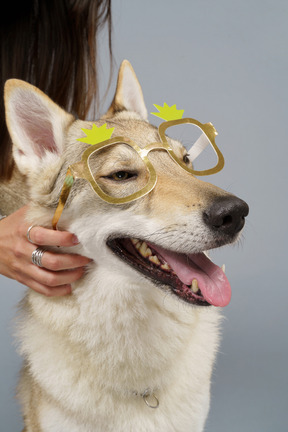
[226,215]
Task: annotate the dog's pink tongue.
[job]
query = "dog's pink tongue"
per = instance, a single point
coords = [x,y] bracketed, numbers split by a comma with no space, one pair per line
[212,281]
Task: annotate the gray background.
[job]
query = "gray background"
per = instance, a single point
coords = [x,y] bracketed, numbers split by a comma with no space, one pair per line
[222,61]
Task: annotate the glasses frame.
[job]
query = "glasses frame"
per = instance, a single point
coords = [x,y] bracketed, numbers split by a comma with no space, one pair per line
[81,170]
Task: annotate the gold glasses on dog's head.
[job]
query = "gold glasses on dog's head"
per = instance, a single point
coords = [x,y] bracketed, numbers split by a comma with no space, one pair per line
[104,162]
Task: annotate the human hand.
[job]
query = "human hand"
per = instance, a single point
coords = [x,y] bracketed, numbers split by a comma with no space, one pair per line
[58,271]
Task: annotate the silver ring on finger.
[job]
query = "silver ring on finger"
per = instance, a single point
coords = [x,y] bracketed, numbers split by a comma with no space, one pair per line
[28,233]
[37,256]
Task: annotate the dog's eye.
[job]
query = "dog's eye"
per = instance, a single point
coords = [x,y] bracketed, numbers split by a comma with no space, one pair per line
[186,159]
[121,175]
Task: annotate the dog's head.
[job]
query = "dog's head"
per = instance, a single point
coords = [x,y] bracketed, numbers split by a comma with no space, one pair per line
[163,234]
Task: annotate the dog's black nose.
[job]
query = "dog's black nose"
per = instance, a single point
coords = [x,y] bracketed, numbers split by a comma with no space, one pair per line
[226,215]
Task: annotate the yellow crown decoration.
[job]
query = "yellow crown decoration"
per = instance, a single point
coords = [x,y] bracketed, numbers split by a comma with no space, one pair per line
[168,113]
[96,134]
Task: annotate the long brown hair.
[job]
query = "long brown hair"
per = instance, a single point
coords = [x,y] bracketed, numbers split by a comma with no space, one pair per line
[53,45]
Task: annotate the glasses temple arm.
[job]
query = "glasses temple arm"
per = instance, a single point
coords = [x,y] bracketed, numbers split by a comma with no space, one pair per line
[68,182]
[198,147]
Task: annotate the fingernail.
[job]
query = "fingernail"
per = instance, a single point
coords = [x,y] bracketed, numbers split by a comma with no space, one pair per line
[75,239]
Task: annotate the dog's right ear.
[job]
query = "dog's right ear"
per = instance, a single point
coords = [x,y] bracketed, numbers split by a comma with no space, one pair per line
[35,123]
[128,95]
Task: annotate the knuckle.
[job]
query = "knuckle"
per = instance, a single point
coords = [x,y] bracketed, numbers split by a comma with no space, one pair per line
[50,280]
[18,250]
[37,236]
[20,230]
[53,262]
[14,266]
[11,262]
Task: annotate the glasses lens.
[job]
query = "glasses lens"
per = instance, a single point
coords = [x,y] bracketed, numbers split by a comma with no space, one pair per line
[197,144]
[118,170]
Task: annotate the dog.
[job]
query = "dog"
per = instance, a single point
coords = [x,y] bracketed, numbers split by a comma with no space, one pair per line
[132,348]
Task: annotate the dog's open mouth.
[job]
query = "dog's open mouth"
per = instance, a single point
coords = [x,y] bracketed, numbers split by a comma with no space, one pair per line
[194,278]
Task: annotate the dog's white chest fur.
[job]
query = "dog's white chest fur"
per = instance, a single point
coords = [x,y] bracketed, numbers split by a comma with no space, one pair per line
[95,359]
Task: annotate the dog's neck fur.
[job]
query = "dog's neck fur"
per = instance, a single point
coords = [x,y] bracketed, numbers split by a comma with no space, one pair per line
[13,193]
[126,326]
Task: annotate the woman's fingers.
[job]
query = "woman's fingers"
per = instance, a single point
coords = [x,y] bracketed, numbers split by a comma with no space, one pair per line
[48,237]
[58,270]
[49,291]
[57,262]
[48,282]
[54,279]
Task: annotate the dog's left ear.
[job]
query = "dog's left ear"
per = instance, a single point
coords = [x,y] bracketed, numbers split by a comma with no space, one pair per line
[128,95]
[35,123]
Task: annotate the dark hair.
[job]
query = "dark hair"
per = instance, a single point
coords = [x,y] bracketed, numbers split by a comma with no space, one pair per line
[53,45]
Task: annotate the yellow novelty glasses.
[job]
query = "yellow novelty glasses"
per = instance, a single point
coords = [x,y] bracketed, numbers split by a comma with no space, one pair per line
[132,152]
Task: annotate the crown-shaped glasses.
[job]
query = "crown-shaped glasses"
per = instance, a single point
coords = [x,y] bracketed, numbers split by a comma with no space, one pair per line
[104,148]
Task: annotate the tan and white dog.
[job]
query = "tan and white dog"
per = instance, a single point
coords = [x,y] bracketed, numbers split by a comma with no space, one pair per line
[132,349]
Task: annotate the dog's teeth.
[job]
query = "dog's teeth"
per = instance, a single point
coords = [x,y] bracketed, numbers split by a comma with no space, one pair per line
[154,259]
[145,250]
[194,286]
[148,253]
[223,268]
[165,267]
[137,243]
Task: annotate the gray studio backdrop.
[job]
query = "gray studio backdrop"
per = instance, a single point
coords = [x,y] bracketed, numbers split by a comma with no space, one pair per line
[222,61]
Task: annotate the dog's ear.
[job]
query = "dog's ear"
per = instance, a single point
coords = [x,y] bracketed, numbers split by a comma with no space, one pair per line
[128,95]
[35,123]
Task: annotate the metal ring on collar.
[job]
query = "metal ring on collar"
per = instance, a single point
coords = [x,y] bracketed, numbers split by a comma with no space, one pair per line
[28,233]
[37,256]
[150,399]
